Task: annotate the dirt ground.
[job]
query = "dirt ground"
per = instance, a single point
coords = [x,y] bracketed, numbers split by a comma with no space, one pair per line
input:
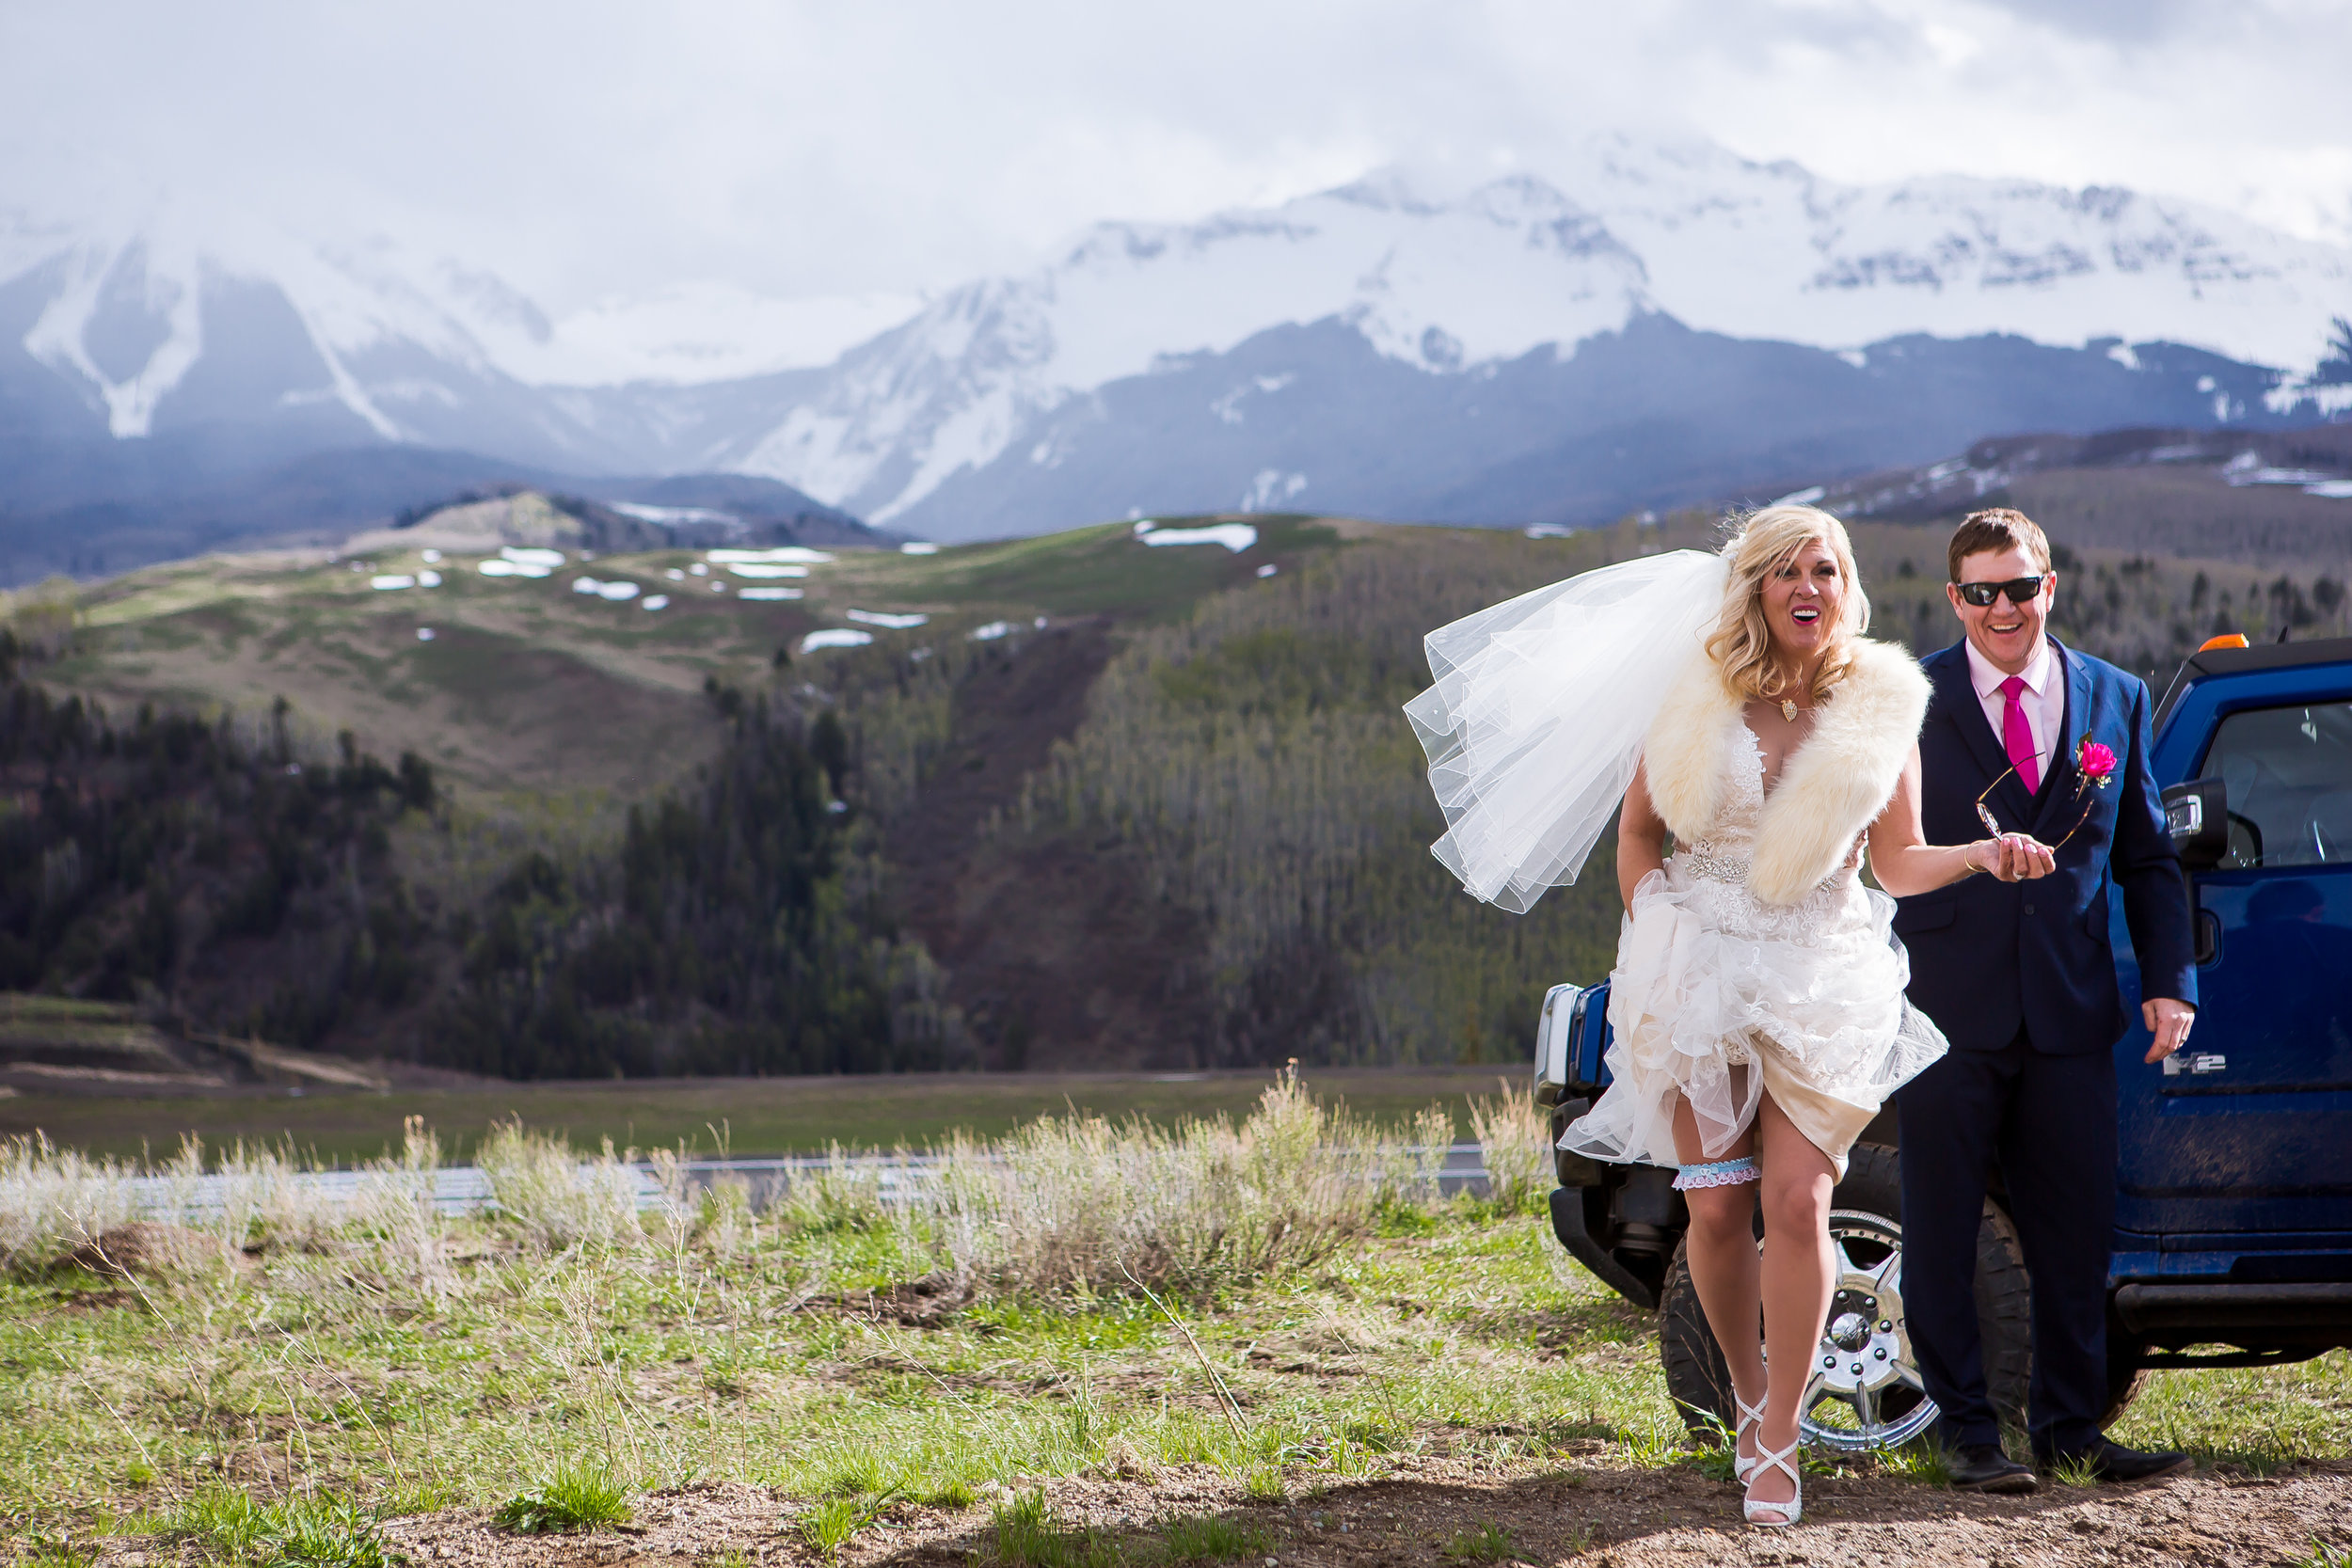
[1595,1514]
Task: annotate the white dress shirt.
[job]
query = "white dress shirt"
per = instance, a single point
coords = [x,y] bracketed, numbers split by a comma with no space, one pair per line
[2043,700]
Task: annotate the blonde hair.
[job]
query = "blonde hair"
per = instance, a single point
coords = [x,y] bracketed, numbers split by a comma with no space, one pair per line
[1741,646]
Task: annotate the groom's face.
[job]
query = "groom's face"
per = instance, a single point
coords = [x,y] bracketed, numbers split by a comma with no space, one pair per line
[2008,635]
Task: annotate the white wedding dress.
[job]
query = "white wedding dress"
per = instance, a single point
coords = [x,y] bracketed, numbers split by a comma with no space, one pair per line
[1717,997]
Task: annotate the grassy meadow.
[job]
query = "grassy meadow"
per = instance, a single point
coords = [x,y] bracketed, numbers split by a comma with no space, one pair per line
[1283,1307]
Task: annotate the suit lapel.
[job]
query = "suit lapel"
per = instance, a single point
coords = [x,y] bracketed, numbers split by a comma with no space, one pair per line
[2073,727]
[1956,694]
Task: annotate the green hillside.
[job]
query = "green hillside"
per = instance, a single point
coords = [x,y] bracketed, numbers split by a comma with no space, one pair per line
[1109,806]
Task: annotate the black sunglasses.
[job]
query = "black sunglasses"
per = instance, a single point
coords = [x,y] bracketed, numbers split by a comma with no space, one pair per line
[2018,589]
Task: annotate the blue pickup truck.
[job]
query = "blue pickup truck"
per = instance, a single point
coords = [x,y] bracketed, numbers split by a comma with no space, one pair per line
[2233,1220]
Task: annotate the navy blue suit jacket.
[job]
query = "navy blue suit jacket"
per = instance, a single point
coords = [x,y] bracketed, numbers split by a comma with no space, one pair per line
[1988,956]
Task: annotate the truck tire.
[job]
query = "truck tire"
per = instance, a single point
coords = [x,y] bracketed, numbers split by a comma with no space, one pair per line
[1868,1204]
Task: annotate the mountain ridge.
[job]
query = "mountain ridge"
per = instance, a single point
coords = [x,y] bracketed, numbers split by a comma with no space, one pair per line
[960,419]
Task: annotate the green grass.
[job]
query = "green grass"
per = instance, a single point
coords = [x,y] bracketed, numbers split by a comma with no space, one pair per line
[301,1532]
[834,1523]
[1025,1532]
[272,1410]
[1486,1542]
[1212,1538]
[759,1116]
[576,1496]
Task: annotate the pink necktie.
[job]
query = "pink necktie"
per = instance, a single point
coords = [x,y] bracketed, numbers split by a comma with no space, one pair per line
[2017,735]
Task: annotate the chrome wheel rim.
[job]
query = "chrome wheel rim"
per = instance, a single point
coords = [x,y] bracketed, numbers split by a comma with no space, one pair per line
[1865,1392]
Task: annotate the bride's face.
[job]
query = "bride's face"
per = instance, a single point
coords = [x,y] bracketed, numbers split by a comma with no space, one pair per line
[1801,596]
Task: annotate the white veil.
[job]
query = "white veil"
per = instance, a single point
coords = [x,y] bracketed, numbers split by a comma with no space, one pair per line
[1536,721]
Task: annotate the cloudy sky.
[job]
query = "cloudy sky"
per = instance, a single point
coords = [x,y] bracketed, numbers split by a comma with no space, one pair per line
[821,147]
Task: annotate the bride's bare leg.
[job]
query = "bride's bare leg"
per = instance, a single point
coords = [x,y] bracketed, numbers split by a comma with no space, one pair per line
[1796,1277]
[1720,1244]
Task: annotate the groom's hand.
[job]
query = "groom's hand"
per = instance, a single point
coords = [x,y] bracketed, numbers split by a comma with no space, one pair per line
[2168,1021]
[2023,858]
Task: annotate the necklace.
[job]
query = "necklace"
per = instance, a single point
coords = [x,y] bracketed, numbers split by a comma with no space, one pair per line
[1788,709]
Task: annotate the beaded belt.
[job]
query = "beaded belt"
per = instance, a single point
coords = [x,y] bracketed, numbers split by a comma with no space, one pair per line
[1701,859]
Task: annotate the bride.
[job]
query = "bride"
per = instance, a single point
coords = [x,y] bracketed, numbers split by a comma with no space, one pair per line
[1732,702]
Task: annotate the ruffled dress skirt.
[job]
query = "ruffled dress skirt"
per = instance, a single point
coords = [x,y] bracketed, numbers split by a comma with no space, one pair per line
[1718,999]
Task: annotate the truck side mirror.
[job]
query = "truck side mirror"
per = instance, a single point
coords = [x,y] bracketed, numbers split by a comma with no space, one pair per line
[2196,814]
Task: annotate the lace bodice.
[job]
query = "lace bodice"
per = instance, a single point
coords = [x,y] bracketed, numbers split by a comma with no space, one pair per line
[1722,856]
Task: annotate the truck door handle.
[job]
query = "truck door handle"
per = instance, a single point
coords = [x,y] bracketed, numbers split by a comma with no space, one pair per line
[2208,938]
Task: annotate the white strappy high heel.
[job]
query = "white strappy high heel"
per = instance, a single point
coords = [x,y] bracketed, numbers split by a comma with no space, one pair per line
[1791,1508]
[1747,1417]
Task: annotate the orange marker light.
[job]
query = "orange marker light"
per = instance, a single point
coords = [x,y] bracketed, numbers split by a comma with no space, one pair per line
[2227,639]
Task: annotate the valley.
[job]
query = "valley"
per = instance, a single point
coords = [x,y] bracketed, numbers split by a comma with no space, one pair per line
[1081,802]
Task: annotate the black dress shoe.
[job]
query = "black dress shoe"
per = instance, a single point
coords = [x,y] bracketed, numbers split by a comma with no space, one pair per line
[1988,1469]
[2107,1461]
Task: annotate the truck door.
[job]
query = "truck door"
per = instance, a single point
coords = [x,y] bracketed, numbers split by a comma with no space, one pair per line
[2249,1128]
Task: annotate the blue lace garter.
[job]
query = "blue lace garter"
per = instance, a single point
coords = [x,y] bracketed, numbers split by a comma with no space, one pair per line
[1722,1173]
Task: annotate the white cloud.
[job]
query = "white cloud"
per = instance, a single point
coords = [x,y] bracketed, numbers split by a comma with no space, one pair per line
[804,147]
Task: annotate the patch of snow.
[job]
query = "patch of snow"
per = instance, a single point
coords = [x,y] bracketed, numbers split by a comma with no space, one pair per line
[836,637]
[620,592]
[428,580]
[674,514]
[699,569]
[2122,355]
[919,547]
[586,585]
[432,558]
[531,555]
[2279,476]
[1546,530]
[498,567]
[769,593]
[655,601]
[991,632]
[1805,497]
[797,554]
[769,572]
[2330,489]
[1235,537]
[1268,570]
[384,580]
[885,619]
[674,575]
[424,634]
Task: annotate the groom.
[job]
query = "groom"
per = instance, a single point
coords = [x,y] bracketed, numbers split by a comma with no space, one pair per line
[2021,978]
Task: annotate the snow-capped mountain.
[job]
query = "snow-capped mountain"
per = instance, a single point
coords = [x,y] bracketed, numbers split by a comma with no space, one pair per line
[1646,323]
[1450,283]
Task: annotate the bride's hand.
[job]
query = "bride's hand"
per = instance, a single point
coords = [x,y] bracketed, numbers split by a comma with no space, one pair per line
[2023,858]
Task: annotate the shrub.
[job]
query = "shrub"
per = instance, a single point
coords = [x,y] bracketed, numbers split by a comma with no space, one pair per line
[1514,1140]
[1080,1202]
[52,1200]
[558,1198]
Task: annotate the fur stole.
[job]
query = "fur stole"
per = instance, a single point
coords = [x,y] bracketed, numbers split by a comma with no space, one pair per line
[1830,790]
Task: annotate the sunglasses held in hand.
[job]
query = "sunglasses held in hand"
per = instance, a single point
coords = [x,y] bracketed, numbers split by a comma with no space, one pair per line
[2018,589]
[2095,765]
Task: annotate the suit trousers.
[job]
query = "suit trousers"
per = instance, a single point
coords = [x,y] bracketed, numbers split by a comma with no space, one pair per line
[2049,1123]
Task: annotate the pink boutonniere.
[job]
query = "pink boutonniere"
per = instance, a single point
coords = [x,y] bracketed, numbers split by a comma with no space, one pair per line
[2095,763]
